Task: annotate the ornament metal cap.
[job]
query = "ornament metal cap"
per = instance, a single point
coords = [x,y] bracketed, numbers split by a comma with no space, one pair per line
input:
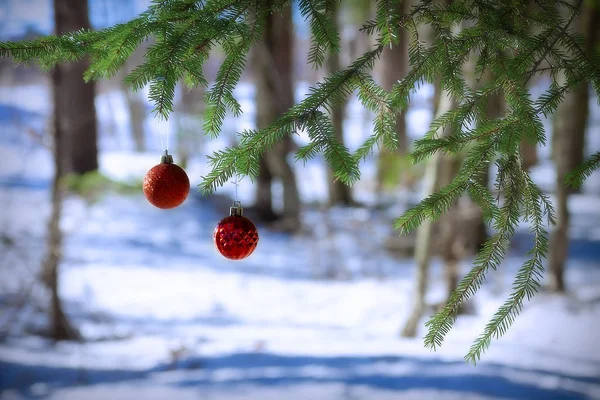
[166,158]
[236,209]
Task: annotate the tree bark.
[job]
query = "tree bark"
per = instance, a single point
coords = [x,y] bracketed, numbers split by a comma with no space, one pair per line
[451,238]
[274,96]
[74,151]
[394,66]
[528,154]
[570,123]
[60,327]
[338,192]
[424,232]
[495,108]
[569,129]
[190,108]
[137,115]
[74,109]
[264,194]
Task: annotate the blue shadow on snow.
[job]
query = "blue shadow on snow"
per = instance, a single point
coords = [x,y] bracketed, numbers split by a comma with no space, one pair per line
[486,379]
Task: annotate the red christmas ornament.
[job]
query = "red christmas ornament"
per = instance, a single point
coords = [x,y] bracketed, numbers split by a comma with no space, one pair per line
[166,185]
[235,236]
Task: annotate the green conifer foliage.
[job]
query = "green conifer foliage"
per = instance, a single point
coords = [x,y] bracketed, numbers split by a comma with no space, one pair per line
[497,32]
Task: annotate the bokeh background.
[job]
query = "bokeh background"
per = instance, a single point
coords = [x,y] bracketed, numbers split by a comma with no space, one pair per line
[103,296]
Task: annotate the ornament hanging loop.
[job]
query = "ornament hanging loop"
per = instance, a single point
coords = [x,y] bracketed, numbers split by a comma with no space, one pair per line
[166,158]
[236,184]
[236,209]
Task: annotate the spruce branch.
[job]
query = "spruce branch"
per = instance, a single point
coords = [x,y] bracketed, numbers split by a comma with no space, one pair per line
[437,203]
[106,63]
[325,37]
[490,256]
[526,117]
[374,98]
[322,133]
[244,158]
[576,177]
[575,11]
[384,14]
[527,281]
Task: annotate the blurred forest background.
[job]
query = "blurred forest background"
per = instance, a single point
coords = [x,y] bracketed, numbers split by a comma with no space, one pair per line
[99,291]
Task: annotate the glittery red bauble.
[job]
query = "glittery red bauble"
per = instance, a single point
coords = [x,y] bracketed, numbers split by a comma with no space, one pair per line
[236,237]
[166,185]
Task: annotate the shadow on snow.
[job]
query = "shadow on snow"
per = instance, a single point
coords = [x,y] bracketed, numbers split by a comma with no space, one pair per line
[487,379]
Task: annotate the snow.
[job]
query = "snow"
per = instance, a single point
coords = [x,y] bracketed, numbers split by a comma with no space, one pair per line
[163,311]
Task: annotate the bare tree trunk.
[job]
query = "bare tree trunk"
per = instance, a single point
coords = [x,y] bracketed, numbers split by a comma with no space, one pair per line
[570,123]
[424,232]
[274,95]
[481,229]
[75,112]
[74,151]
[264,194]
[135,102]
[60,327]
[437,166]
[528,154]
[190,112]
[495,108]
[449,228]
[338,192]
[137,115]
[394,66]
[569,129]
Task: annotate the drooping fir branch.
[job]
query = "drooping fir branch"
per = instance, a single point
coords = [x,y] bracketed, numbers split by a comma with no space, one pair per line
[576,177]
[527,281]
[490,256]
[220,98]
[325,96]
[376,100]
[324,35]
[523,121]
[511,41]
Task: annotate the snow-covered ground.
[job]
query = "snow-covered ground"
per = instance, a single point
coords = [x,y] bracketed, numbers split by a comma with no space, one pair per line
[166,317]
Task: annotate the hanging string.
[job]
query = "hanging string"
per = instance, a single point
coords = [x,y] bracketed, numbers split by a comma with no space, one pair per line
[236,182]
[168,136]
[164,137]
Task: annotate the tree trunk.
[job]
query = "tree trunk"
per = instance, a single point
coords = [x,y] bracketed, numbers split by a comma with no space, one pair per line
[264,194]
[439,170]
[60,327]
[495,108]
[338,192]
[74,109]
[274,95]
[74,151]
[570,123]
[528,154]
[137,115]
[569,129]
[450,235]
[424,232]
[190,113]
[394,66]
